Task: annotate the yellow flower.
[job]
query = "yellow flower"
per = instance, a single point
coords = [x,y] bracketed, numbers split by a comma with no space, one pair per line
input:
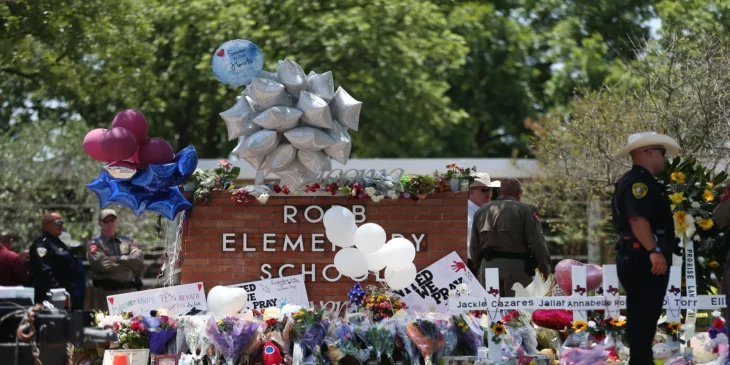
[617,322]
[678,177]
[708,196]
[498,329]
[580,326]
[219,322]
[710,185]
[706,223]
[677,198]
[680,216]
[713,264]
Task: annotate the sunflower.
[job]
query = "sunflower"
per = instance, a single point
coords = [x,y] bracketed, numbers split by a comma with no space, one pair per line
[713,264]
[680,216]
[706,223]
[617,322]
[678,177]
[674,327]
[708,196]
[498,328]
[579,326]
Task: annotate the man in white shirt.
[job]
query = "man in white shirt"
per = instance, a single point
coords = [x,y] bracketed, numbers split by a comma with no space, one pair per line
[480,193]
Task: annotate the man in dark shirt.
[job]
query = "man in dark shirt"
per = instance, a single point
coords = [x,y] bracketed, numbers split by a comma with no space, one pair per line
[643,219]
[12,270]
[51,263]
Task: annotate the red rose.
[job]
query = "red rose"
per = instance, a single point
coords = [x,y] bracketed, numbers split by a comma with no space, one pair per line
[271,322]
[277,189]
[164,319]
[134,326]
[116,326]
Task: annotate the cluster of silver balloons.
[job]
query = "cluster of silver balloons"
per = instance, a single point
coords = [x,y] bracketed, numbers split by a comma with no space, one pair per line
[293,124]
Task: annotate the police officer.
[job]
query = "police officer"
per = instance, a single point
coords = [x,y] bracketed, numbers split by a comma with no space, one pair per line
[51,263]
[646,241]
[507,235]
[115,261]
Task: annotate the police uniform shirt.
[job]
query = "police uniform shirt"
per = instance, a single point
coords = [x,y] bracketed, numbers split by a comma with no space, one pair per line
[52,265]
[640,194]
[130,258]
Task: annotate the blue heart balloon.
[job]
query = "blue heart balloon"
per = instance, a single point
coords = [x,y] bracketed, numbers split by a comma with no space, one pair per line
[156,177]
[168,202]
[101,188]
[187,161]
[128,195]
[237,62]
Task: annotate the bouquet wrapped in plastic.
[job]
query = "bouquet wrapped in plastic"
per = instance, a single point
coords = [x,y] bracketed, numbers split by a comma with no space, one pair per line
[230,335]
[427,336]
[409,347]
[311,328]
[380,337]
[160,330]
[447,330]
[576,351]
[469,332]
[193,328]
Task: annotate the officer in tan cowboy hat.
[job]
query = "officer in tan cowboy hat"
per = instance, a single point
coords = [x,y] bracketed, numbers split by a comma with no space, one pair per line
[480,193]
[646,241]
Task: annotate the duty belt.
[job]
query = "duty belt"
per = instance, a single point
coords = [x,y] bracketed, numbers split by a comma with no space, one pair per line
[490,254]
[630,238]
[109,284]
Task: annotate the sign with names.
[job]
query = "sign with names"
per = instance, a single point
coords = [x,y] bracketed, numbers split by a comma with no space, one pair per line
[178,299]
[430,291]
[276,292]
[690,276]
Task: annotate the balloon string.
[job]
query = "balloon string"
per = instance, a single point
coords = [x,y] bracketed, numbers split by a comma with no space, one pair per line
[176,250]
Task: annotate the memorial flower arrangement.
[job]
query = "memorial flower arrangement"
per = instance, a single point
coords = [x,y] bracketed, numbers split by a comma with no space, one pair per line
[468,331]
[381,303]
[673,329]
[425,334]
[159,331]
[418,185]
[694,192]
[230,335]
[498,331]
[310,328]
[130,329]
[207,181]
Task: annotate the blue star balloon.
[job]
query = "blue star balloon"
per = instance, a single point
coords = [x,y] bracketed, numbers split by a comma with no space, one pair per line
[128,195]
[168,202]
[101,188]
[187,161]
[356,294]
[237,62]
[156,177]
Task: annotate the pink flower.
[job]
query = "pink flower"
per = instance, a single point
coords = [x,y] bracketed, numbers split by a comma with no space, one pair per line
[116,326]
[164,319]
[142,327]
[225,164]
[173,323]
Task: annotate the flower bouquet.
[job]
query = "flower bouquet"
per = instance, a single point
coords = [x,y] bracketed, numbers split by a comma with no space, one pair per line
[450,338]
[418,186]
[207,181]
[426,335]
[159,331]
[381,304]
[230,335]
[381,337]
[310,328]
[193,328]
[469,332]
[130,331]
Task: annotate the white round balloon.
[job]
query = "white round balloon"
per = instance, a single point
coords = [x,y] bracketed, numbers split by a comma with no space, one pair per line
[376,260]
[225,301]
[338,216]
[351,262]
[400,278]
[342,236]
[370,237]
[399,253]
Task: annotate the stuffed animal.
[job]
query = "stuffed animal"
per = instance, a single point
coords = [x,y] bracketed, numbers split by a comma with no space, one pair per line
[271,354]
[553,352]
[662,353]
[337,357]
[225,301]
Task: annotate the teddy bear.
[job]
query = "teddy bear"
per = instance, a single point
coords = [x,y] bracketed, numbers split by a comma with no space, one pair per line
[662,353]
[553,352]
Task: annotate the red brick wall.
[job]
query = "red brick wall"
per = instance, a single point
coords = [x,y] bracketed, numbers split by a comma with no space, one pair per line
[441,217]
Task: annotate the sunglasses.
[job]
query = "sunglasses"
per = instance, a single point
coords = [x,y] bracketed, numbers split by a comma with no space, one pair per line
[58,223]
[659,149]
[109,220]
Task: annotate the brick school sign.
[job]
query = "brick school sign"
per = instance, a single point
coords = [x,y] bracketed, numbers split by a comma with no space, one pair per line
[227,244]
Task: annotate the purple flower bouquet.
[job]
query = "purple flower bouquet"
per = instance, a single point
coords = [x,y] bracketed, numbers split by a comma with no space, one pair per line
[230,335]
[159,331]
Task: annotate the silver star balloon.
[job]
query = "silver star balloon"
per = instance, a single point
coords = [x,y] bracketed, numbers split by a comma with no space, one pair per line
[269,75]
[315,109]
[266,93]
[238,150]
[239,119]
[257,162]
[321,85]
[315,161]
[260,143]
[346,109]
[295,176]
[340,151]
[279,118]
[308,138]
[292,76]
[280,157]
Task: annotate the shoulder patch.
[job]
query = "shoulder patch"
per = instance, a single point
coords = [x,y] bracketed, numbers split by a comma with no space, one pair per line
[639,190]
[534,215]
[41,251]
[93,247]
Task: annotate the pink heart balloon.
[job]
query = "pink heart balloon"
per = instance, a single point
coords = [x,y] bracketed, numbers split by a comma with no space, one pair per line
[554,319]
[564,276]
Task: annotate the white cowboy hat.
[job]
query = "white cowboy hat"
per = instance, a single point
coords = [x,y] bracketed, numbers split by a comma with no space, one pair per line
[481,179]
[643,139]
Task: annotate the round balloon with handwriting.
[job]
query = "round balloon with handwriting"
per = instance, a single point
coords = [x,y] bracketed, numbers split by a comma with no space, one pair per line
[237,62]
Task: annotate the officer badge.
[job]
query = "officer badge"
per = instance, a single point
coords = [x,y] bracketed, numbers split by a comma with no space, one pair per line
[124,247]
[42,251]
[639,190]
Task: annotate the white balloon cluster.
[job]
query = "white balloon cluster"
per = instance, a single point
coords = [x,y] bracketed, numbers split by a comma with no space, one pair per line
[370,251]
[292,124]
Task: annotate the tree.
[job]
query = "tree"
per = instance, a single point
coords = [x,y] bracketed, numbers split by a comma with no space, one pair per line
[679,87]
